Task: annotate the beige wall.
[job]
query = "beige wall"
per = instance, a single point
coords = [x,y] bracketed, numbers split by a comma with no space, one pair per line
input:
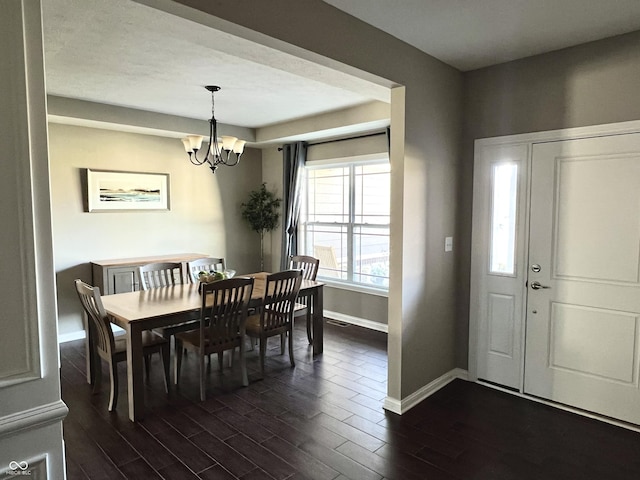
[272,175]
[423,295]
[204,215]
[591,84]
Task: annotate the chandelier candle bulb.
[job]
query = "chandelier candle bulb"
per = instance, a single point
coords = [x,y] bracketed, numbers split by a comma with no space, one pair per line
[195,141]
[228,142]
[238,147]
[187,145]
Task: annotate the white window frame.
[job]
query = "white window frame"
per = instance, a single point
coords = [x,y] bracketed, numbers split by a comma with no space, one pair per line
[351,225]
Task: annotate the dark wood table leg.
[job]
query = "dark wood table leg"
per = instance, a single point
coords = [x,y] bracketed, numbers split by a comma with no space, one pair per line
[135,380]
[318,320]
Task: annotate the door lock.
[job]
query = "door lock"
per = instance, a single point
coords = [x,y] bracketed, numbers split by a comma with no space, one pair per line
[538,286]
[535,268]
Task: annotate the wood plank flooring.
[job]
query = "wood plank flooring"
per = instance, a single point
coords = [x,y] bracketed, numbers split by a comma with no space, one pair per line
[323,420]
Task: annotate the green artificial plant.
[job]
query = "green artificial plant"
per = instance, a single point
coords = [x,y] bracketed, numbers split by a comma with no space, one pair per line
[262,211]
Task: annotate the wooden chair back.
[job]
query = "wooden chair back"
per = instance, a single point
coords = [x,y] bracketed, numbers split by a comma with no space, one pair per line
[224,312]
[281,290]
[98,319]
[207,264]
[161,274]
[309,265]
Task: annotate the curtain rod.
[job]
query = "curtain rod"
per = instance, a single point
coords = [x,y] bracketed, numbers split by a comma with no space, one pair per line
[343,139]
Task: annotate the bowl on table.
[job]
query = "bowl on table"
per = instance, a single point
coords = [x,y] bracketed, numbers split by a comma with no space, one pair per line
[214,276]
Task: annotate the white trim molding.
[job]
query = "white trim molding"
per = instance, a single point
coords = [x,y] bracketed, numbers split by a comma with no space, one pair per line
[71,336]
[618,128]
[361,322]
[33,418]
[353,287]
[81,334]
[402,406]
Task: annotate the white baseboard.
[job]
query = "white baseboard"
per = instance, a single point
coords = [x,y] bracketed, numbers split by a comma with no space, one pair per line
[361,322]
[71,336]
[81,334]
[402,406]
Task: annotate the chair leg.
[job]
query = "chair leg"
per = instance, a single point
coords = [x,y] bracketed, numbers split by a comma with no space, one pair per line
[309,326]
[220,360]
[147,361]
[113,375]
[179,351]
[293,363]
[166,360]
[243,363]
[201,362]
[97,375]
[263,352]
[282,339]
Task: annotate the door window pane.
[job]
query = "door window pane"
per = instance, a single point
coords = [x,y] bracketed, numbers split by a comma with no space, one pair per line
[503,218]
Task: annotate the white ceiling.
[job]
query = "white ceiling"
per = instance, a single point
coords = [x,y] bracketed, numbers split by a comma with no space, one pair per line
[122,53]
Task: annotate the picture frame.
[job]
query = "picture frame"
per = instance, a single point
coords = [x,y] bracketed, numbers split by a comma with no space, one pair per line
[111,190]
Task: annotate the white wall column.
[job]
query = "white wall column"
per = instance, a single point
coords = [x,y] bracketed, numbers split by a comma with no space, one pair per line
[31,410]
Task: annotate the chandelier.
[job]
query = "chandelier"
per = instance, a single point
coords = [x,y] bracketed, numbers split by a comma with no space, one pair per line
[226,154]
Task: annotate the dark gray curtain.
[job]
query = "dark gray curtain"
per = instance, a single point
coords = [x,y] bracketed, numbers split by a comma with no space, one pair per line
[294,155]
[388,133]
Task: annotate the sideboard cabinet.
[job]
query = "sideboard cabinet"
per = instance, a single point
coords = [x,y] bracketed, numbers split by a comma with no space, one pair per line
[121,275]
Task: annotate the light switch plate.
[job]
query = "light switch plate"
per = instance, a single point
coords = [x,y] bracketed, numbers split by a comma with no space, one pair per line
[448,244]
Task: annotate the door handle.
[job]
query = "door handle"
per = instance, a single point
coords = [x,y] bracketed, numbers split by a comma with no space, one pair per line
[538,286]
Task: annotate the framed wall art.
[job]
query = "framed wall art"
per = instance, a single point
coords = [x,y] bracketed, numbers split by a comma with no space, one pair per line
[115,191]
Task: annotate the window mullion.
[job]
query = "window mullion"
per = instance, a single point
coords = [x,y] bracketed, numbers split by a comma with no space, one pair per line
[350,230]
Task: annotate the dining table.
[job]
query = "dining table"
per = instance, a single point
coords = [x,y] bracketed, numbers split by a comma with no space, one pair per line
[143,310]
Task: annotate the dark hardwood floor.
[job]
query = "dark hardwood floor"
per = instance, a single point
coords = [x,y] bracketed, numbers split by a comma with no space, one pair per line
[323,419]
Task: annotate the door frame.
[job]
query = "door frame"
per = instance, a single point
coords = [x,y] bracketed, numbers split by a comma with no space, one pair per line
[477,255]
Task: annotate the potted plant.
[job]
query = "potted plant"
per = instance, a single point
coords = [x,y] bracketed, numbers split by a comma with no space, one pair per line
[262,211]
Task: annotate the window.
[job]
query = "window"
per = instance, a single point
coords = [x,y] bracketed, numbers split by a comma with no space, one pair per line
[503,218]
[345,222]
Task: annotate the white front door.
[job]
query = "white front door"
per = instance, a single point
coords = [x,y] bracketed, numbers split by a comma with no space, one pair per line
[583,288]
[498,266]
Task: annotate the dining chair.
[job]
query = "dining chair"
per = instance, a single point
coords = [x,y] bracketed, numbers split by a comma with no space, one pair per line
[166,274]
[276,312]
[207,264]
[160,274]
[309,266]
[114,350]
[223,317]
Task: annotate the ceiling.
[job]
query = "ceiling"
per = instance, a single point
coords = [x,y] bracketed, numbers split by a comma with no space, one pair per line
[122,53]
[470,34]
